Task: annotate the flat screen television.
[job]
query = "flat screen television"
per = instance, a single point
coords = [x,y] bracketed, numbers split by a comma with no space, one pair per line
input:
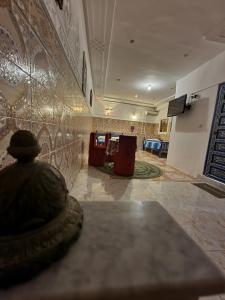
[177,106]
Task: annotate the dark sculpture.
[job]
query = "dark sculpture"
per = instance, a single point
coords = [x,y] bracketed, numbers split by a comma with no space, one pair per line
[38,218]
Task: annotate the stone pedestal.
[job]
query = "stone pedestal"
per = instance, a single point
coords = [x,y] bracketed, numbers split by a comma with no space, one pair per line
[127,250]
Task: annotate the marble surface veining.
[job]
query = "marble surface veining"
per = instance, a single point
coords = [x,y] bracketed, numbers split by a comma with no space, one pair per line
[127,248]
[199,213]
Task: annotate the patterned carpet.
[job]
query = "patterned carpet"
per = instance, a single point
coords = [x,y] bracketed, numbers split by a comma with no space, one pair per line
[142,170]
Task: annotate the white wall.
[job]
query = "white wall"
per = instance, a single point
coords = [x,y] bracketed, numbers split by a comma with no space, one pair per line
[163,108]
[190,131]
[122,111]
[126,112]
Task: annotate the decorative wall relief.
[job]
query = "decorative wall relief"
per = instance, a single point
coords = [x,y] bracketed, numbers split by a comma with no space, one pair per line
[150,130]
[38,89]
[67,23]
[140,129]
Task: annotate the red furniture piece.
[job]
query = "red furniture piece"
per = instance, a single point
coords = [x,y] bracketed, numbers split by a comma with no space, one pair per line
[97,153]
[124,160]
[96,156]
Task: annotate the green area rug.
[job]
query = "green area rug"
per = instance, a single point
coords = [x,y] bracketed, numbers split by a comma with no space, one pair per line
[142,170]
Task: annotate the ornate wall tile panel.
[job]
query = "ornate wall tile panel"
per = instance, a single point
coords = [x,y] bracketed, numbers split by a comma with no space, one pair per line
[45,140]
[43,28]
[141,129]
[24,6]
[58,158]
[68,28]
[15,95]
[14,37]
[122,126]
[46,158]
[38,90]
[23,124]
[53,159]
[41,25]
[42,103]
[40,63]
[53,129]
[57,110]
[7,128]
[36,127]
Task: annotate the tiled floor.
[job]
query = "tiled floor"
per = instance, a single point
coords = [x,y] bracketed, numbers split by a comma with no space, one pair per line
[200,214]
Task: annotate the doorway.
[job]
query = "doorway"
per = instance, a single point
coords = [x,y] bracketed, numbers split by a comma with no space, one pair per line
[215,159]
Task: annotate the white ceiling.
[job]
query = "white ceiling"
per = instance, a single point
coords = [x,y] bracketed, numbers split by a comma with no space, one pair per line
[170,40]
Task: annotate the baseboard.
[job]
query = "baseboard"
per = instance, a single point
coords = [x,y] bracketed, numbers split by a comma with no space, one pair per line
[211,181]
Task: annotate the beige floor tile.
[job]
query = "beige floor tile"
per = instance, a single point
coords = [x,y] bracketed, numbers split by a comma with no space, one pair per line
[200,214]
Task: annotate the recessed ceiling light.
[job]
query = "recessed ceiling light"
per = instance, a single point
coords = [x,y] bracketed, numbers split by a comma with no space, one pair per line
[134,117]
[136,96]
[149,87]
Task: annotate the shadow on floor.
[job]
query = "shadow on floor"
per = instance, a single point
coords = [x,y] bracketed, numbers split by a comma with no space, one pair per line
[114,187]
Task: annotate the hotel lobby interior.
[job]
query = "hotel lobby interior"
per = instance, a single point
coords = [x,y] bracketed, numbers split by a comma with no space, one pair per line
[122,102]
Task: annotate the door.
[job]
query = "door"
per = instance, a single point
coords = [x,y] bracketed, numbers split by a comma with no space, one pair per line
[215,160]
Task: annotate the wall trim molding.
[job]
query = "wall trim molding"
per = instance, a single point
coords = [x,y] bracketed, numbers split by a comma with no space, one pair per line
[124,119]
[126,101]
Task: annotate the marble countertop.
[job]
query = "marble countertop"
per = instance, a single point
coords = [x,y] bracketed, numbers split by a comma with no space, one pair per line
[127,250]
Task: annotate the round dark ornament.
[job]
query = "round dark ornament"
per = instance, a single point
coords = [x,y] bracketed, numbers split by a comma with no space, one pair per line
[38,217]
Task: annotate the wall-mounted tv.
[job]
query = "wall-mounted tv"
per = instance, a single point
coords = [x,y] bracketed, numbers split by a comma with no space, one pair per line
[177,106]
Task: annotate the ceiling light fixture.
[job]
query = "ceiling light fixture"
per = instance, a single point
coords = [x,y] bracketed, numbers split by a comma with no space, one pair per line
[149,87]
[108,111]
[134,117]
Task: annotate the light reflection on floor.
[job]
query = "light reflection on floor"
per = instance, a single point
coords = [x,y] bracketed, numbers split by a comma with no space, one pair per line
[200,214]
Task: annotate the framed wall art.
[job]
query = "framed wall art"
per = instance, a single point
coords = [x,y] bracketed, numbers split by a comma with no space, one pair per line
[84,75]
[163,125]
